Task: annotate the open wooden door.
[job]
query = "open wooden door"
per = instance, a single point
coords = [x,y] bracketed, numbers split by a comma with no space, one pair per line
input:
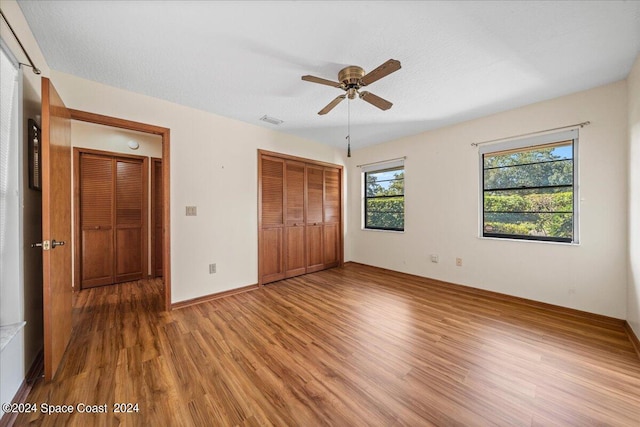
[56,227]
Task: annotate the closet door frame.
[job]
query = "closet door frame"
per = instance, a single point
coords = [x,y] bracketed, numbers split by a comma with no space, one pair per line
[285,157]
[77,230]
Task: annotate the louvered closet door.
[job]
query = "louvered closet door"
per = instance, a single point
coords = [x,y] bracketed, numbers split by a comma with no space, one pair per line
[295,224]
[300,205]
[130,220]
[96,220]
[332,217]
[314,229]
[157,204]
[272,219]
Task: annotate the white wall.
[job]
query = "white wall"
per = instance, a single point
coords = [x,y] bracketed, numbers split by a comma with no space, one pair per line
[12,367]
[633,296]
[115,140]
[442,208]
[214,167]
[107,138]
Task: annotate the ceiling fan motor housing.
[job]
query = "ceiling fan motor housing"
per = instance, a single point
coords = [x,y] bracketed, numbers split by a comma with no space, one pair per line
[350,76]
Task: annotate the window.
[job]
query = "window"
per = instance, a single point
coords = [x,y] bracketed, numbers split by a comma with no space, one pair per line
[10,191]
[384,196]
[529,188]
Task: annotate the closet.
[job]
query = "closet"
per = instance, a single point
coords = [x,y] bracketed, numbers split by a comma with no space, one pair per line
[111,218]
[300,216]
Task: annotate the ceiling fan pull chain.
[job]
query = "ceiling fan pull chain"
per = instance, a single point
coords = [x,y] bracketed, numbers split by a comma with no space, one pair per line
[348,127]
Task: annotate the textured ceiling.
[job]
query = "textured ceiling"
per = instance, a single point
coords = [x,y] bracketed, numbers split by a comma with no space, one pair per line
[460,60]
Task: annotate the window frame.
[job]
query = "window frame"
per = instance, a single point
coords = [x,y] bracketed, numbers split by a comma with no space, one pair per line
[525,144]
[378,168]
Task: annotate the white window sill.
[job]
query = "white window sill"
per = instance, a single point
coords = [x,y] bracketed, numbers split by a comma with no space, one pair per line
[7,332]
[382,231]
[504,239]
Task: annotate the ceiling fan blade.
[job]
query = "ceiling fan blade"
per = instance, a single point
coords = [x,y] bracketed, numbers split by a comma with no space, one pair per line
[332,104]
[314,79]
[372,99]
[383,70]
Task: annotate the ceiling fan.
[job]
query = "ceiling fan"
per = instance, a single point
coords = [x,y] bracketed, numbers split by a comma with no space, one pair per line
[352,79]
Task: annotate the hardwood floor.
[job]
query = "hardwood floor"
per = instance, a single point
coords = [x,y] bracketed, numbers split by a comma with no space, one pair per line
[346,347]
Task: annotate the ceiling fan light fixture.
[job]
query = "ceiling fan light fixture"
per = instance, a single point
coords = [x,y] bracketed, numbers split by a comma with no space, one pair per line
[271,120]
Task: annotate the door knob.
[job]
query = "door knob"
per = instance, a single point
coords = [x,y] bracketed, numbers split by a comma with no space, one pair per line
[46,245]
[55,243]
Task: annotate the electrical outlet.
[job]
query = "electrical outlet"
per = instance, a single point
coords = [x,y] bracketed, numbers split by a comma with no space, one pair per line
[212,268]
[434,258]
[459,262]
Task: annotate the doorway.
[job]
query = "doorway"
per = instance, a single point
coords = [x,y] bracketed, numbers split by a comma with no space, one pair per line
[56,217]
[164,133]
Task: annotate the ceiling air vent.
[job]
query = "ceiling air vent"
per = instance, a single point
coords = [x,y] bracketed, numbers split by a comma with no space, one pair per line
[271,120]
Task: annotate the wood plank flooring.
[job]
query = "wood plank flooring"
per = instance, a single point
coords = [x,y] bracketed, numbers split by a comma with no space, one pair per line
[350,346]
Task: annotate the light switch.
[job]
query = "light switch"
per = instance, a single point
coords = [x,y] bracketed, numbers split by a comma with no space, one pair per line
[191,211]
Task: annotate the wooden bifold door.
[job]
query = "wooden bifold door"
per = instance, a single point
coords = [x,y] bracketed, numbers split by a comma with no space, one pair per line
[111,218]
[157,205]
[300,215]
